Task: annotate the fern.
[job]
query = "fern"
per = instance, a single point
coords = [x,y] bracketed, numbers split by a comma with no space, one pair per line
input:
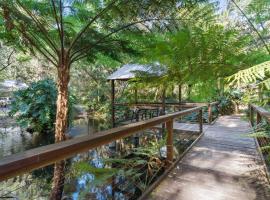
[258,74]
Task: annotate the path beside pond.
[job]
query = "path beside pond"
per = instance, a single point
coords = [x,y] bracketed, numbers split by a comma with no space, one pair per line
[223,165]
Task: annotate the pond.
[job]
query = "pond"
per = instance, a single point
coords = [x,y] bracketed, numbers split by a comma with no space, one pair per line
[116,171]
[13,139]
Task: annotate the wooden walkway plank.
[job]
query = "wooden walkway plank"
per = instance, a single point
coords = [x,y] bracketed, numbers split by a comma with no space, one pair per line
[223,165]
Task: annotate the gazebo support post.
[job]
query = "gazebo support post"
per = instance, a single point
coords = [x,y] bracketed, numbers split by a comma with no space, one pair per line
[136,137]
[113,145]
[163,102]
[163,108]
[113,102]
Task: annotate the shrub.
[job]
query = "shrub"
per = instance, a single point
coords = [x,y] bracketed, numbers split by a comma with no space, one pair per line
[229,102]
[35,107]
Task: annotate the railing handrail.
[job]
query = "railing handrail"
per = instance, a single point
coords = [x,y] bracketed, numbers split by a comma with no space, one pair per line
[187,104]
[262,112]
[26,161]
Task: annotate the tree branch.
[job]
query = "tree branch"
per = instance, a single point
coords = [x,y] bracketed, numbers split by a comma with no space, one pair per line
[62,32]
[88,47]
[253,27]
[79,35]
[33,43]
[56,18]
[39,25]
[8,61]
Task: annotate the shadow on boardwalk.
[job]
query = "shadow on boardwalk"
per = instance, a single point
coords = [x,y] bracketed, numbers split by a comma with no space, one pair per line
[223,165]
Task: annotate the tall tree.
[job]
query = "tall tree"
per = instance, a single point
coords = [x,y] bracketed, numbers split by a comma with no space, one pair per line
[65,31]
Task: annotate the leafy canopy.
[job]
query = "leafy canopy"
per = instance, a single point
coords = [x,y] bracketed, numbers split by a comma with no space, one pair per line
[76,29]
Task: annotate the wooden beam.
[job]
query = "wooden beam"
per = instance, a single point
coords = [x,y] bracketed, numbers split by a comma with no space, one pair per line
[201,120]
[113,102]
[264,113]
[169,145]
[251,115]
[159,104]
[209,113]
[163,101]
[258,118]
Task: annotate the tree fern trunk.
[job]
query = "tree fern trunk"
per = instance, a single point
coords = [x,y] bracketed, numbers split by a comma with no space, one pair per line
[60,129]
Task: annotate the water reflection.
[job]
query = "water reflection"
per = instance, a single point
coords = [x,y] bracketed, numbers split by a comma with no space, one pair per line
[14,140]
[130,177]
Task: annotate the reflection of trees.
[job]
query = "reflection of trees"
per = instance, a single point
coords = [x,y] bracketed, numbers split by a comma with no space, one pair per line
[133,174]
[25,187]
[122,173]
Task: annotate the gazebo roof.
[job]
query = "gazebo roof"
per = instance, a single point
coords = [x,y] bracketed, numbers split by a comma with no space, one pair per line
[129,71]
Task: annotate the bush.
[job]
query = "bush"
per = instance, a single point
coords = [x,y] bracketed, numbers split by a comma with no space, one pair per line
[229,102]
[35,107]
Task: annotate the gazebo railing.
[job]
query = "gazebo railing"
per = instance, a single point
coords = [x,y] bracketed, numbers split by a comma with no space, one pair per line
[157,105]
[29,160]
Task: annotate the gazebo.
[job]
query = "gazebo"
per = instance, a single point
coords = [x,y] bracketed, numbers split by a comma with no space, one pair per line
[132,71]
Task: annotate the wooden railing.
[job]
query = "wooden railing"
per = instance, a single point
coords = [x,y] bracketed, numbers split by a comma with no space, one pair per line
[261,114]
[176,105]
[26,161]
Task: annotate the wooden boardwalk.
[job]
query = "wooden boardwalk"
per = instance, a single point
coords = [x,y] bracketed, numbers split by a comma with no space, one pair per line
[179,126]
[185,127]
[223,165]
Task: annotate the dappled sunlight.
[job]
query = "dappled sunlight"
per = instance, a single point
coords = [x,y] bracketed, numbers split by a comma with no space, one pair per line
[229,167]
[106,99]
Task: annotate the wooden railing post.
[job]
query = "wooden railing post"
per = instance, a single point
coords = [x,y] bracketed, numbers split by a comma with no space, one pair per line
[169,127]
[209,113]
[251,115]
[201,120]
[258,118]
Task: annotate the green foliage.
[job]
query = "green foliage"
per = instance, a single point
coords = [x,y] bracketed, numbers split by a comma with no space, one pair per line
[101,174]
[262,133]
[35,107]
[225,105]
[195,54]
[86,29]
[230,101]
[204,91]
[258,74]
[139,167]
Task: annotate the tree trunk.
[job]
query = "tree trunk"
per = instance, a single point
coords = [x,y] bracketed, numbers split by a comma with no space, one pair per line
[60,129]
[58,180]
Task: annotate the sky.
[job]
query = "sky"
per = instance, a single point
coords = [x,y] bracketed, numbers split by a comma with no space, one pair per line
[222,4]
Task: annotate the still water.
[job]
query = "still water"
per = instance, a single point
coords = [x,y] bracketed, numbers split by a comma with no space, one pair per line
[14,140]
[104,173]
[36,185]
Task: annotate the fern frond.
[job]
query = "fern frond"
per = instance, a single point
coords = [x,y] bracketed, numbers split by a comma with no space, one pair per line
[258,74]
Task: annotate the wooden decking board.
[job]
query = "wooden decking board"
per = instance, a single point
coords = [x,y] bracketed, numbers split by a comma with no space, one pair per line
[179,126]
[186,127]
[223,165]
